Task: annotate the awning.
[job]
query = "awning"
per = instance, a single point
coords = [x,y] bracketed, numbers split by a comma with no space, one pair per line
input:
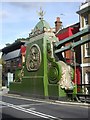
[11,55]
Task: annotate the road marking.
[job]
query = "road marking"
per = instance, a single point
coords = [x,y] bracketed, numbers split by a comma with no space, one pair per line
[30,111]
[2,106]
[32,108]
[36,104]
[29,99]
[85,105]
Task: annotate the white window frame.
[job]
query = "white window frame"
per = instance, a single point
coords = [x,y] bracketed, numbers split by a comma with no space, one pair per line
[85,20]
[63,53]
[87,81]
[87,49]
[87,75]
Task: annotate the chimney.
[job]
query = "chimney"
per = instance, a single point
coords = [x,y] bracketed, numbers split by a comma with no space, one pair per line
[58,24]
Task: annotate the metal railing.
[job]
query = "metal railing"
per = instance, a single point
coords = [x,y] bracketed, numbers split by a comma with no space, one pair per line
[83,92]
[83,89]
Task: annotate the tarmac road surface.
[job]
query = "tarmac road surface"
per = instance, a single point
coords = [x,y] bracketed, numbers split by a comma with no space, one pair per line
[21,107]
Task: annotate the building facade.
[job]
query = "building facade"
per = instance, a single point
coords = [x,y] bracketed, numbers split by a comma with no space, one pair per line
[12,56]
[84,14]
[69,54]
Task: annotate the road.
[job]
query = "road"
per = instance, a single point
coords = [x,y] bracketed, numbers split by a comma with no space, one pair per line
[21,107]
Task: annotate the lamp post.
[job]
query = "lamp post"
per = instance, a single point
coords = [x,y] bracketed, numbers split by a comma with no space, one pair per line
[75,73]
[75,77]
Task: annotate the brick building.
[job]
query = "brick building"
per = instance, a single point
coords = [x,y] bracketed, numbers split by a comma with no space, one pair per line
[13,56]
[69,54]
[84,14]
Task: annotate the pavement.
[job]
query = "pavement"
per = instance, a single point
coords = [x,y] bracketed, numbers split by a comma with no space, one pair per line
[18,106]
[4,92]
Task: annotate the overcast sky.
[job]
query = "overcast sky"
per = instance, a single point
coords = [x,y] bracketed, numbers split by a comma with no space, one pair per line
[17,19]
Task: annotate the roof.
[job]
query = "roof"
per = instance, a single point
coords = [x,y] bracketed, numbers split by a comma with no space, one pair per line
[11,55]
[65,29]
[39,28]
[84,8]
[14,46]
[42,24]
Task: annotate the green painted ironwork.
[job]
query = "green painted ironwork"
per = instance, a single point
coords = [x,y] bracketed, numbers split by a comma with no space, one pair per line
[42,75]
[73,45]
[73,37]
[41,72]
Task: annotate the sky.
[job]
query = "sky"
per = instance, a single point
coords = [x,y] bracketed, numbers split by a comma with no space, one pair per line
[17,19]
